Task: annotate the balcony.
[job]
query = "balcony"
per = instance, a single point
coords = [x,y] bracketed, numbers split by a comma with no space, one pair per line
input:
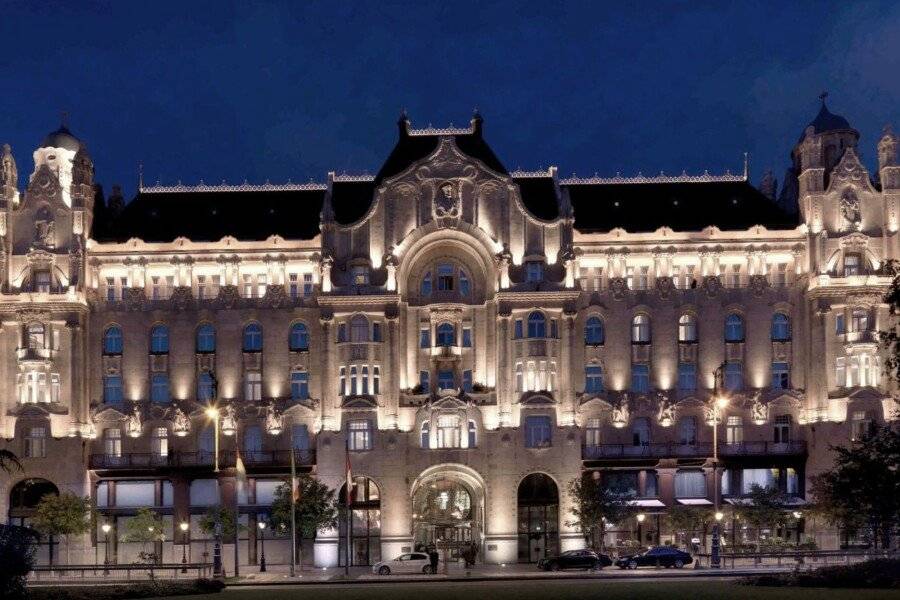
[698,450]
[202,458]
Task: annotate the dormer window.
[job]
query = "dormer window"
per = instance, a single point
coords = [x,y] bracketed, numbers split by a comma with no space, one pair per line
[534,271]
[445,278]
[852,265]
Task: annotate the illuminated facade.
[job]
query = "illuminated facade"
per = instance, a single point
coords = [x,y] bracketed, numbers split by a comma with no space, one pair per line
[477,337]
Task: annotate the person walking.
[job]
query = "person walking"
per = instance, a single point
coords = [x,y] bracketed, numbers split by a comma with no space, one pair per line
[433,559]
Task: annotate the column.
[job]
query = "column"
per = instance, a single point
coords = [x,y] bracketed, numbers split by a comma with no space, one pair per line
[503,367]
[564,387]
[327,385]
[391,376]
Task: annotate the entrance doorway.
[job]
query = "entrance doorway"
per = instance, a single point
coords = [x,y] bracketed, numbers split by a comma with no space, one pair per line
[447,512]
[365,539]
[538,504]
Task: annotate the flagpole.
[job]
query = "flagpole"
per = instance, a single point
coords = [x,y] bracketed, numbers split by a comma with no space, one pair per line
[293,509]
[349,487]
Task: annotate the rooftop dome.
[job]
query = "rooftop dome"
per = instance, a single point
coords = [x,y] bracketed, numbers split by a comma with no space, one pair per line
[825,121]
[61,138]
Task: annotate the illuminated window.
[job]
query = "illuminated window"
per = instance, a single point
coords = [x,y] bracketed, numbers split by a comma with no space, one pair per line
[640,329]
[593,332]
[206,338]
[159,339]
[253,341]
[734,328]
[112,340]
[299,338]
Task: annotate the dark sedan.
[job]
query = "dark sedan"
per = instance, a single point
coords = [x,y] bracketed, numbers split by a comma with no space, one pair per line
[661,556]
[575,559]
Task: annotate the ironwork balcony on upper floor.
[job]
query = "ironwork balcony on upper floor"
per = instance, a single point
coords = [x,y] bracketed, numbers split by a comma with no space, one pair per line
[699,449]
[201,458]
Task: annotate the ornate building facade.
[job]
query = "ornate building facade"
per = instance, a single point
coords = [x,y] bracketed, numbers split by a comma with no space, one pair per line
[476,337]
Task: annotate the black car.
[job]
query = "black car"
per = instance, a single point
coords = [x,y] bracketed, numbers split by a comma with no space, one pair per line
[661,556]
[575,559]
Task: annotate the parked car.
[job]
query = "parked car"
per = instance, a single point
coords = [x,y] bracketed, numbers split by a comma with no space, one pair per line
[575,559]
[663,556]
[411,562]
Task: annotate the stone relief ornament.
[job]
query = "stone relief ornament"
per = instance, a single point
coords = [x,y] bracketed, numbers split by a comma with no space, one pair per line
[229,422]
[759,412]
[181,423]
[664,287]
[228,296]
[274,421]
[712,285]
[619,287]
[758,285]
[182,298]
[850,209]
[134,423]
[620,413]
[446,201]
[666,414]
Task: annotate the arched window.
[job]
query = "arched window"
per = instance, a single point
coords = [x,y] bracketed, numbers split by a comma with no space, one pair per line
[464,286]
[593,332]
[253,341]
[205,387]
[640,329]
[781,327]
[426,434]
[299,337]
[206,338]
[159,388]
[159,339]
[734,328]
[687,329]
[446,335]
[359,329]
[112,340]
[36,336]
[537,325]
[473,434]
[425,288]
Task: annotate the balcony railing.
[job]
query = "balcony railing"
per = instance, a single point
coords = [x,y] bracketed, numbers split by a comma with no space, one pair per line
[701,449]
[201,458]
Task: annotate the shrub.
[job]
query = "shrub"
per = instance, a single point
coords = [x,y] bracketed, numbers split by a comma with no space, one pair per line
[148,589]
[878,573]
[16,559]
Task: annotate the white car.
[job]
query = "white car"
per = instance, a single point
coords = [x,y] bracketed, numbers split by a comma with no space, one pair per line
[412,562]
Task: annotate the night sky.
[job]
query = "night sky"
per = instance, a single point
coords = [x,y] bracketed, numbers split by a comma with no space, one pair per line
[258,91]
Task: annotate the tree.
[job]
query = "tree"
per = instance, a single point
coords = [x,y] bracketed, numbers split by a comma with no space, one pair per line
[763,507]
[314,509]
[17,546]
[862,490]
[145,527]
[219,515]
[890,337]
[64,515]
[688,519]
[595,506]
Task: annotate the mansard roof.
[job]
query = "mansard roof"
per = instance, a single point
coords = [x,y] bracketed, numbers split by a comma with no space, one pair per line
[682,206]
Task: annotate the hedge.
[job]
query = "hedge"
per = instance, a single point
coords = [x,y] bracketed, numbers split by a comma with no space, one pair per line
[124,591]
[881,573]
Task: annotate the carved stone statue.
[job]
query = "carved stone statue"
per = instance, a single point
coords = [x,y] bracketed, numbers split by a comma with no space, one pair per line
[759,412]
[620,413]
[850,207]
[274,421]
[446,202]
[181,423]
[134,423]
[45,233]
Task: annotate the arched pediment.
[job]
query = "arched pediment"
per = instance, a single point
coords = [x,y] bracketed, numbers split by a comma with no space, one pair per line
[537,399]
[359,402]
[110,413]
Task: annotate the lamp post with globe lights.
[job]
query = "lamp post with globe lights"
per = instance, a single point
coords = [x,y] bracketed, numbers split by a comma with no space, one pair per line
[640,522]
[213,413]
[106,527]
[720,401]
[262,557]
[185,540]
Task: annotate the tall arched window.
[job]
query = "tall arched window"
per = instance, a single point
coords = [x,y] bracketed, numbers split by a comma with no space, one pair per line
[112,340]
[593,332]
[781,327]
[206,338]
[359,329]
[253,341]
[426,434]
[159,339]
[446,334]
[299,337]
[640,329]
[425,288]
[205,387]
[734,328]
[464,286]
[537,325]
[687,329]
[159,388]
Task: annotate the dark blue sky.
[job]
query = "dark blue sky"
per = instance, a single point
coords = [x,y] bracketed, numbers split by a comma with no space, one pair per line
[295,89]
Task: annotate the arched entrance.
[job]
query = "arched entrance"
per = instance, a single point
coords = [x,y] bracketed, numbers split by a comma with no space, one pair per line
[448,510]
[538,503]
[365,506]
[23,500]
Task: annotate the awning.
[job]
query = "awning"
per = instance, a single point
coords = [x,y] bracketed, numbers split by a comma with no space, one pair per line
[694,501]
[646,503]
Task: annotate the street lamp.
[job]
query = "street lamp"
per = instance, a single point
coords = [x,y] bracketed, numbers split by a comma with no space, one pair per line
[262,557]
[106,528]
[185,540]
[719,404]
[640,520]
[213,413]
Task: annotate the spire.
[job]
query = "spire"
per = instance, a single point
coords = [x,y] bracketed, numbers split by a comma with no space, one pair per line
[822,97]
[746,166]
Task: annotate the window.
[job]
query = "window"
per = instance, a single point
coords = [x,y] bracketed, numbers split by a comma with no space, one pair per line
[445,278]
[852,265]
[593,332]
[161,287]
[206,338]
[554,329]
[159,339]
[425,286]
[638,278]
[467,337]
[467,381]
[298,340]
[621,482]
[112,442]
[425,381]
[342,381]
[537,431]
[365,379]
[159,388]
[779,275]
[859,321]
[839,327]
[299,385]
[35,336]
[651,484]
[687,329]
[300,437]
[448,434]
[590,278]
[690,484]
[307,284]
[376,331]
[360,434]
[518,334]
[354,372]
[426,435]
[115,288]
[464,285]
[781,376]
[593,379]
[112,340]
[342,332]
[684,278]
[840,371]
[425,337]
[537,325]
[359,329]
[734,430]
[734,376]
[640,378]
[766,478]
[36,442]
[734,328]
[112,389]
[861,425]
[252,385]
[782,429]
[252,441]
[293,285]
[359,276]
[687,377]
[445,380]
[253,341]
[732,276]
[593,432]
[687,431]
[446,335]
[792,482]
[640,329]
[473,435]
[781,327]
[534,271]
[376,379]
[205,387]
[160,441]
[640,432]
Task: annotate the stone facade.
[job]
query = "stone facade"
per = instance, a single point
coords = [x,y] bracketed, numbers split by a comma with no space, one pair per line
[474,349]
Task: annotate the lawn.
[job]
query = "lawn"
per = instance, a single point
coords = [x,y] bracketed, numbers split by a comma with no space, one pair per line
[549,590]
